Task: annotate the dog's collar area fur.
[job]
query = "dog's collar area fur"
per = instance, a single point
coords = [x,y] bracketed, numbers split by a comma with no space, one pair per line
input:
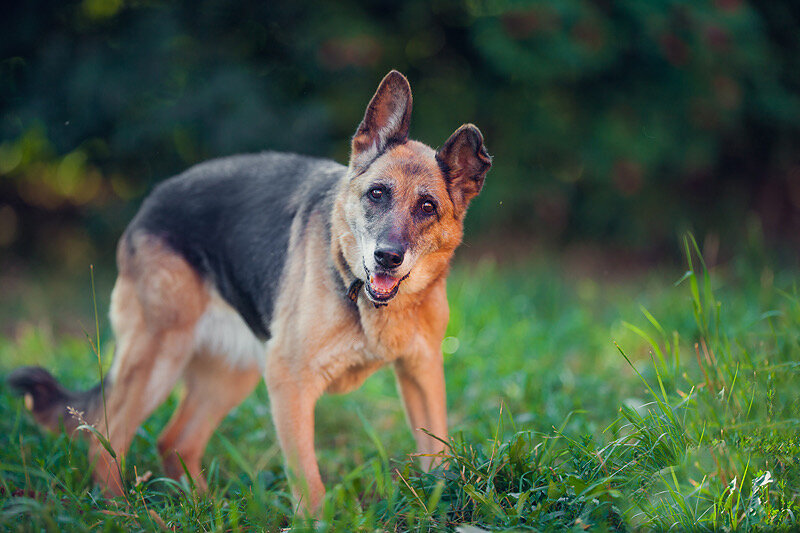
[354,289]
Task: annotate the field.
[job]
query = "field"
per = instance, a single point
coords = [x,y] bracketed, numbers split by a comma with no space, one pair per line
[663,399]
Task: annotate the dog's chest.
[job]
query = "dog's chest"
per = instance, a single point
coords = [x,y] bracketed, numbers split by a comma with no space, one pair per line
[372,345]
[391,333]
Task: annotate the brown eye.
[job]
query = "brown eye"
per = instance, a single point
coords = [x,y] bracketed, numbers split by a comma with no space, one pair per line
[428,207]
[376,193]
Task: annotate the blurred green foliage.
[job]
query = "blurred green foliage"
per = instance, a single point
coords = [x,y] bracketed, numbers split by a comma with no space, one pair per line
[608,119]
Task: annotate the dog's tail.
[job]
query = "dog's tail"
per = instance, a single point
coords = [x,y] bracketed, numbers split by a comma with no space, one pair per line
[50,403]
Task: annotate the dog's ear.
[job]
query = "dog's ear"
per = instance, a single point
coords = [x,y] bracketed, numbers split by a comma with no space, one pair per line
[385,121]
[465,162]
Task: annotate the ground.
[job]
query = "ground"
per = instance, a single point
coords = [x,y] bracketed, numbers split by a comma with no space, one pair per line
[663,396]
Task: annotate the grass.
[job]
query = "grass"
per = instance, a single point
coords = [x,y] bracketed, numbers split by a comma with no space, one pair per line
[667,402]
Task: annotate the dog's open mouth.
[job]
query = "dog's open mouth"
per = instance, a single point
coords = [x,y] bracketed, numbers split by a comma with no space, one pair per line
[382,287]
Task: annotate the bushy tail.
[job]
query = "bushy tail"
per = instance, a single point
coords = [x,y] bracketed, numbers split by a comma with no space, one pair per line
[48,400]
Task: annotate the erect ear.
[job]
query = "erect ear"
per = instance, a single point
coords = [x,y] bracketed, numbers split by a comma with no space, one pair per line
[465,162]
[385,121]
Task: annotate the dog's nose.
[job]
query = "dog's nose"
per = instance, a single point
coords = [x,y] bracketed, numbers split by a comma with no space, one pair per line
[389,257]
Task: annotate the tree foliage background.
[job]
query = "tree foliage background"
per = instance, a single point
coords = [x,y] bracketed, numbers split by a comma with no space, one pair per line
[611,120]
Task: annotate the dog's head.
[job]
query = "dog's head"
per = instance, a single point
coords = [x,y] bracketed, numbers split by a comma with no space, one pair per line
[405,202]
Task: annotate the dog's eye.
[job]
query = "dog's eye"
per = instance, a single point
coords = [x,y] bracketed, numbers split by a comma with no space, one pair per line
[428,207]
[376,193]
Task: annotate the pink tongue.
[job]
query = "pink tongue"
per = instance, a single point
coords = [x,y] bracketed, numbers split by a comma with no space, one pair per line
[382,283]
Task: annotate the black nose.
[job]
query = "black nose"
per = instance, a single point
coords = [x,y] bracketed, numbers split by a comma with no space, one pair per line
[388,257]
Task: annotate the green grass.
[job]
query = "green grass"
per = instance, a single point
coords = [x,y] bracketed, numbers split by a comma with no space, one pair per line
[573,404]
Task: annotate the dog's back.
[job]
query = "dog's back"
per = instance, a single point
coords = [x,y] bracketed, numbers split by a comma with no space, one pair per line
[230,219]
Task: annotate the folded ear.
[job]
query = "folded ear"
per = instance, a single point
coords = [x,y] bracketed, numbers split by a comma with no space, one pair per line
[385,121]
[465,162]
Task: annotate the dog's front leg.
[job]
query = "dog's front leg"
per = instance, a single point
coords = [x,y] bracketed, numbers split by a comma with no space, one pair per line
[421,383]
[293,401]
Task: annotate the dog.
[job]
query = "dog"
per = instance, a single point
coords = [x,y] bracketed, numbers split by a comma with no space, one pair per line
[301,270]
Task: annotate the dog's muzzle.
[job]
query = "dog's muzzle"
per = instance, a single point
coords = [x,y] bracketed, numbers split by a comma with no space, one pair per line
[380,288]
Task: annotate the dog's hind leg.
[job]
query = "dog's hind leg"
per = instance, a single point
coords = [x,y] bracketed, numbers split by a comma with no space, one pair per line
[156,363]
[213,388]
[155,306]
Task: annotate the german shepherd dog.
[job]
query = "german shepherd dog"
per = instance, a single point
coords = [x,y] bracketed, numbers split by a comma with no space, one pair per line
[303,271]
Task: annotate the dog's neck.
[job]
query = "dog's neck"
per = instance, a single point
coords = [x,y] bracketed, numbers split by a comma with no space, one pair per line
[351,285]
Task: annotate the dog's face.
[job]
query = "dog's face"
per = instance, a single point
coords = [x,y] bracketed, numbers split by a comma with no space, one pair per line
[405,202]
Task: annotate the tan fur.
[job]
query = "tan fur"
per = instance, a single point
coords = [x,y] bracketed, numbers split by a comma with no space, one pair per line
[156,301]
[319,342]
[212,390]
